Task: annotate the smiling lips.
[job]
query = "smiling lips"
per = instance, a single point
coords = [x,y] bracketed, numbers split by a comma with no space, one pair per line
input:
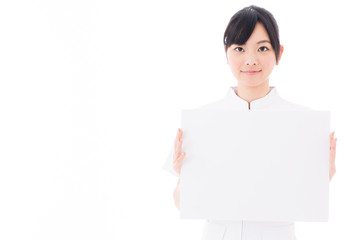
[252,72]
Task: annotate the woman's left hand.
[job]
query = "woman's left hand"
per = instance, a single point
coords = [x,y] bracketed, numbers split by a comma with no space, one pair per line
[332,169]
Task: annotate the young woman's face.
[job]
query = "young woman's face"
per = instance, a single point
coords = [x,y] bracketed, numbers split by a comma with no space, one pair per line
[253,62]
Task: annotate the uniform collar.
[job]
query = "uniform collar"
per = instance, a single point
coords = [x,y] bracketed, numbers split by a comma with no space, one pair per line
[260,103]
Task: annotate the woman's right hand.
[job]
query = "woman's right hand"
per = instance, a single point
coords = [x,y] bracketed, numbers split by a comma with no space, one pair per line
[178,155]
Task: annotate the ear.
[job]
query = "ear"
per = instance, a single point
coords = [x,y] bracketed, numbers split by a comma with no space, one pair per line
[227,60]
[280,54]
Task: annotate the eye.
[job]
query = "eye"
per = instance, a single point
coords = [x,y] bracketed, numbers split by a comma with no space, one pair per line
[263,49]
[239,49]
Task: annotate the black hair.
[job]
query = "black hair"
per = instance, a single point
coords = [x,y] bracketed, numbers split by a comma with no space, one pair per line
[242,24]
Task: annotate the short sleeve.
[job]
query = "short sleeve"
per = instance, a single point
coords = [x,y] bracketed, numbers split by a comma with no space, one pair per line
[168,165]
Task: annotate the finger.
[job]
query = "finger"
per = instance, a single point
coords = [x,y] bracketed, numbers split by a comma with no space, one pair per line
[176,156]
[179,144]
[178,148]
[178,163]
[179,136]
[175,152]
[180,133]
[181,158]
[176,138]
[331,135]
[177,159]
[333,144]
[335,141]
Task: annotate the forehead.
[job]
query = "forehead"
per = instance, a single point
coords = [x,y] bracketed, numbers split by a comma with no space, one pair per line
[259,34]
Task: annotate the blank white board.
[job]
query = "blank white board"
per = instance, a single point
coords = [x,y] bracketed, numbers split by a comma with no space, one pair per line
[255,165]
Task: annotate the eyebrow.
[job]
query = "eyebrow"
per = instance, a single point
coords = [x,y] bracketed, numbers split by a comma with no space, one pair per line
[263,41]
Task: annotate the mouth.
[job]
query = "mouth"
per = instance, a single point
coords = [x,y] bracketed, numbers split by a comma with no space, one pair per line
[252,72]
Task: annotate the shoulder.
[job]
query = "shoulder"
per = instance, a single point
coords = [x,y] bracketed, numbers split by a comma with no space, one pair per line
[221,103]
[287,105]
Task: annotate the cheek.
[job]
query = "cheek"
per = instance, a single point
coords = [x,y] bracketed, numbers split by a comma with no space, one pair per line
[234,63]
[268,62]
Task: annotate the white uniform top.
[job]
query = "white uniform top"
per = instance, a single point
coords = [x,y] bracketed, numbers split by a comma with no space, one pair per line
[246,230]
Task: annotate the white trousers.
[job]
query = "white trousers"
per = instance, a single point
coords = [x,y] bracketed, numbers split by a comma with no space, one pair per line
[246,230]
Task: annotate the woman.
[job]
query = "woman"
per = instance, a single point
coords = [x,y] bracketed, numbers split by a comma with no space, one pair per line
[252,48]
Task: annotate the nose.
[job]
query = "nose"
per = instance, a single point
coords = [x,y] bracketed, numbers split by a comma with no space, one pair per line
[251,60]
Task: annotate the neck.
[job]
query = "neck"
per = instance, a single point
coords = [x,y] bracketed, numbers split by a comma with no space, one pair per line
[250,94]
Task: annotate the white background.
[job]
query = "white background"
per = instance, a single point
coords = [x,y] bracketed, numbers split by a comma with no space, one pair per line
[90,100]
